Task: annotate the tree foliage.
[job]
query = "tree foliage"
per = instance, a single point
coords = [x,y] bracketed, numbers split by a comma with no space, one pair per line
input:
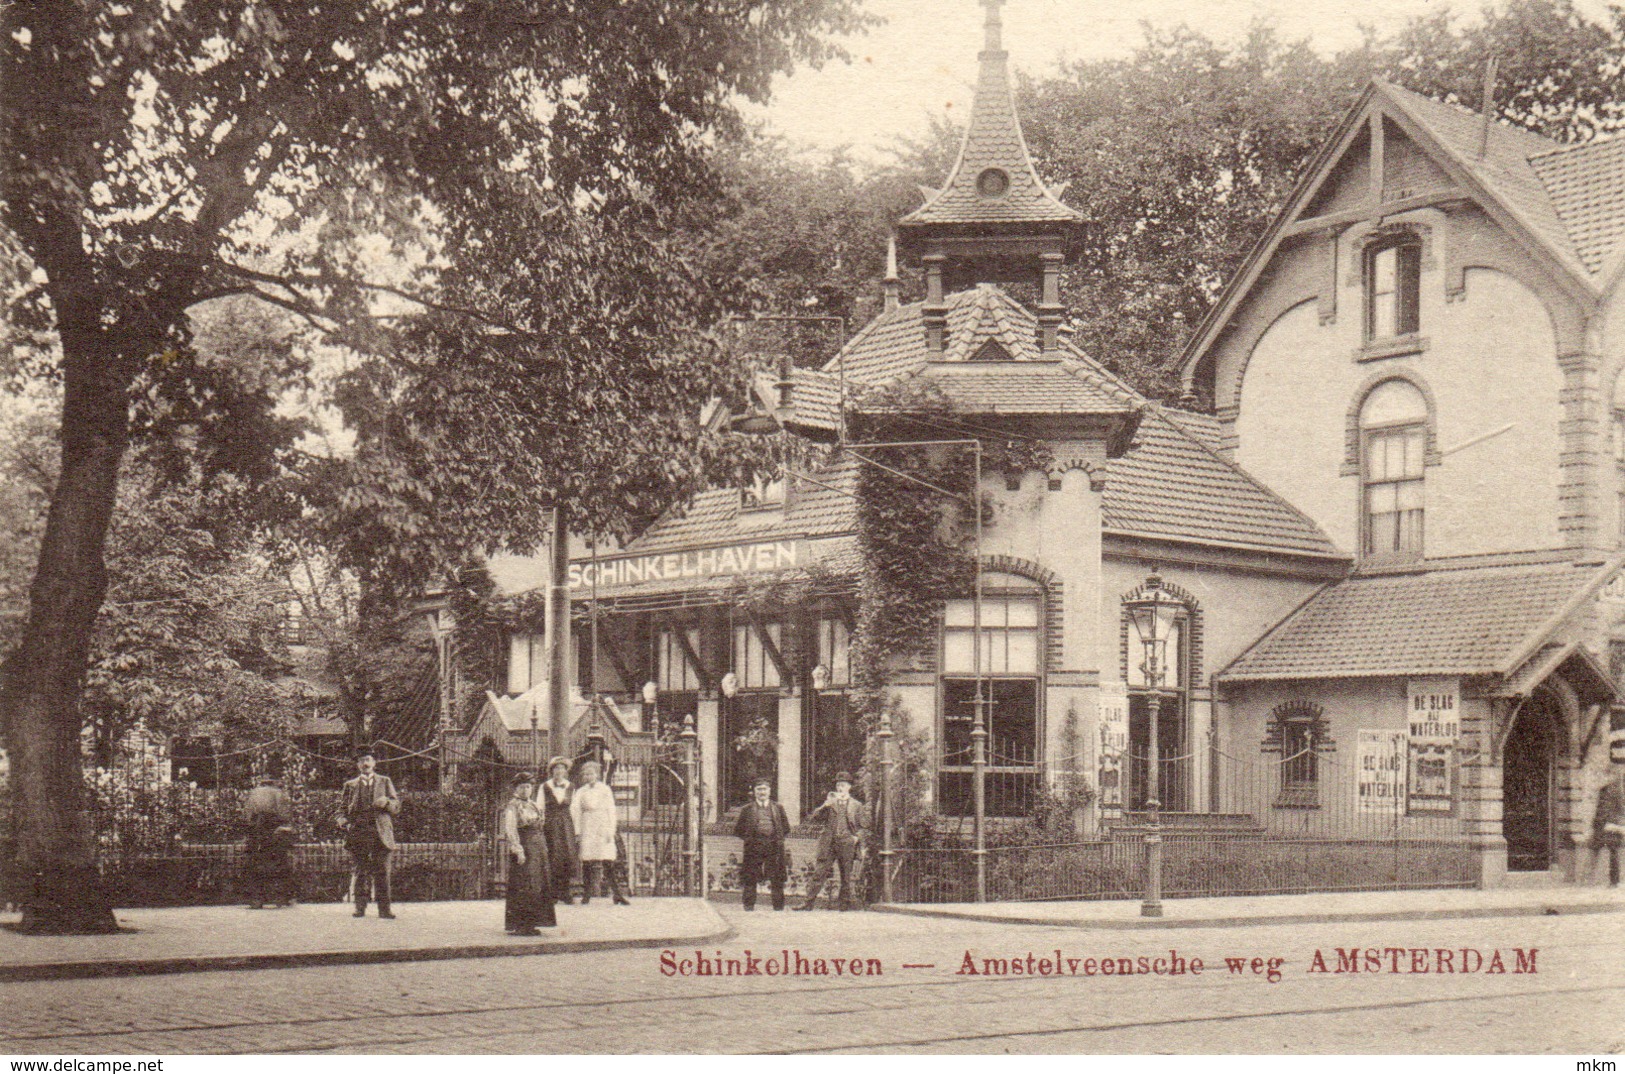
[515,169]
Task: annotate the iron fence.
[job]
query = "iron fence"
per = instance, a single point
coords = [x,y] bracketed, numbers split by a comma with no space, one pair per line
[1306,822]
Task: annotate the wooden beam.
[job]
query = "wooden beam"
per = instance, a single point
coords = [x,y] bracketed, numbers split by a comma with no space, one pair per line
[1599,713]
[1388,208]
[708,681]
[1499,735]
[617,657]
[786,679]
[1374,157]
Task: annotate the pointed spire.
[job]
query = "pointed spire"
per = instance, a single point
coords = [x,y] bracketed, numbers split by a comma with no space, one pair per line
[993,220]
[994,180]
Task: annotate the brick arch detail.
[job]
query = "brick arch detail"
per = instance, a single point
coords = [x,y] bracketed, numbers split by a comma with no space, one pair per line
[1351,421]
[1193,625]
[1054,599]
[1096,471]
[1301,710]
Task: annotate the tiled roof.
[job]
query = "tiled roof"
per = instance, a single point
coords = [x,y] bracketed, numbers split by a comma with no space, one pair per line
[892,346]
[1023,388]
[1587,182]
[1172,485]
[1571,197]
[715,516]
[992,140]
[1471,621]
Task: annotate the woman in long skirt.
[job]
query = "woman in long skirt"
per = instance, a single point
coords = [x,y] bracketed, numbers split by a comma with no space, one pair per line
[530,895]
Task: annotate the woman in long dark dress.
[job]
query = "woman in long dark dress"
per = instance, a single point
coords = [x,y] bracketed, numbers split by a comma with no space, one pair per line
[554,798]
[530,895]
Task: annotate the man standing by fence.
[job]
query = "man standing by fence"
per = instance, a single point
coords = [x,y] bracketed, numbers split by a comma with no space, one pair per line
[370,806]
[845,822]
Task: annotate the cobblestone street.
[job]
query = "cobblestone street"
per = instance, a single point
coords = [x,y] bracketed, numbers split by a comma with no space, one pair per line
[622,1001]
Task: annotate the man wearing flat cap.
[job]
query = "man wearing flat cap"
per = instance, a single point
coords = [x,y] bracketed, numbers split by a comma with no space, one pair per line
[762,826]
[368,818]
[844,829]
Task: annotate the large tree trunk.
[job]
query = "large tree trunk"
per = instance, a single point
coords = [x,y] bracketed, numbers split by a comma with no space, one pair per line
[55,867]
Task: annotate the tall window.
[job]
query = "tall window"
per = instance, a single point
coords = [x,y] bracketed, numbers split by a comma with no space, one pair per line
[1393,277]
[1393,434]
[1011,643]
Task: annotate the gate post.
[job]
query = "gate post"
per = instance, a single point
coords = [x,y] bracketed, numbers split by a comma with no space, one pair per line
[884,735]
[691,805]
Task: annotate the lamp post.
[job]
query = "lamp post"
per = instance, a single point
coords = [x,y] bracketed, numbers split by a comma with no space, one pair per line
[1153,614]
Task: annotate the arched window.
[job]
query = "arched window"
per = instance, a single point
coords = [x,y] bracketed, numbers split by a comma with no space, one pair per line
[1299,732]
[1393,278]
[1393,445]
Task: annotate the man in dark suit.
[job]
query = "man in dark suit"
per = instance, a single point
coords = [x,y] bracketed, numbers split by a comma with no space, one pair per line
[370,806]
[762,826]
[845,830]
[1608,824]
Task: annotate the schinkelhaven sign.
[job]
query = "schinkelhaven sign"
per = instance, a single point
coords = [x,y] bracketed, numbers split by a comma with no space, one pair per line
[755,558]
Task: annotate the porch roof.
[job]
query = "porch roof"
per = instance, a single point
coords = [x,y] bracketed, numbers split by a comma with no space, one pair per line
[1474,620]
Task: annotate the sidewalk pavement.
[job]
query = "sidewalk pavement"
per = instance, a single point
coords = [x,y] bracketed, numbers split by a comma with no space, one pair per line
[1286,909]
[192,938]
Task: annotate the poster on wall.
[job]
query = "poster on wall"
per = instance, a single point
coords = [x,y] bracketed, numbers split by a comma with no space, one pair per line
[1380,760]
[1435,709]
[1113,743]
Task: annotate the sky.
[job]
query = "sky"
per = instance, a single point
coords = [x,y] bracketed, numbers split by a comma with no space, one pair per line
[922,60]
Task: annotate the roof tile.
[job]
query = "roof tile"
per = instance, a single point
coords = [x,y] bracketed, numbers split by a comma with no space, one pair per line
[1469,621]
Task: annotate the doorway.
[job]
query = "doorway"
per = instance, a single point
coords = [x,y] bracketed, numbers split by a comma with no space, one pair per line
[1528,777]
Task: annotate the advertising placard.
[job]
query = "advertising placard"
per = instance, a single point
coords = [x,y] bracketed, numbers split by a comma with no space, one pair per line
[1380,764]
[1434,709]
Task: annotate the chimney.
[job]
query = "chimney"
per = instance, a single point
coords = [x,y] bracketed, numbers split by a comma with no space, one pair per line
[891,286]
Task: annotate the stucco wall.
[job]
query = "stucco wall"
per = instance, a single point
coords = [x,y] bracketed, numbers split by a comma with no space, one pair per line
[1491,370]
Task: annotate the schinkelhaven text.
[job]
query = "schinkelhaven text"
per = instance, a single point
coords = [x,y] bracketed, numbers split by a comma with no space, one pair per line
[1423,960]
[89,1066]
[782,963]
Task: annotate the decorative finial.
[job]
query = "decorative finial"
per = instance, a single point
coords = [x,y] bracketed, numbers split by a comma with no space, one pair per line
[991,28]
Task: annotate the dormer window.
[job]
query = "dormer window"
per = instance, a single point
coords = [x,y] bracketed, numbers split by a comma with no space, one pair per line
[763,494]
[1393,284]
[991,351]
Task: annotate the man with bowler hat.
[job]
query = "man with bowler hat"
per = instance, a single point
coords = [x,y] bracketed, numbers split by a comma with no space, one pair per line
[762,826]
[845,827]
[368,818]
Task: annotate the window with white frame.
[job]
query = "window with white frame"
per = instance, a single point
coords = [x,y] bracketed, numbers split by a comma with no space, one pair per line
[1010,633]
[1393,278]
[1008,693]
[835,650]
[1393,440]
